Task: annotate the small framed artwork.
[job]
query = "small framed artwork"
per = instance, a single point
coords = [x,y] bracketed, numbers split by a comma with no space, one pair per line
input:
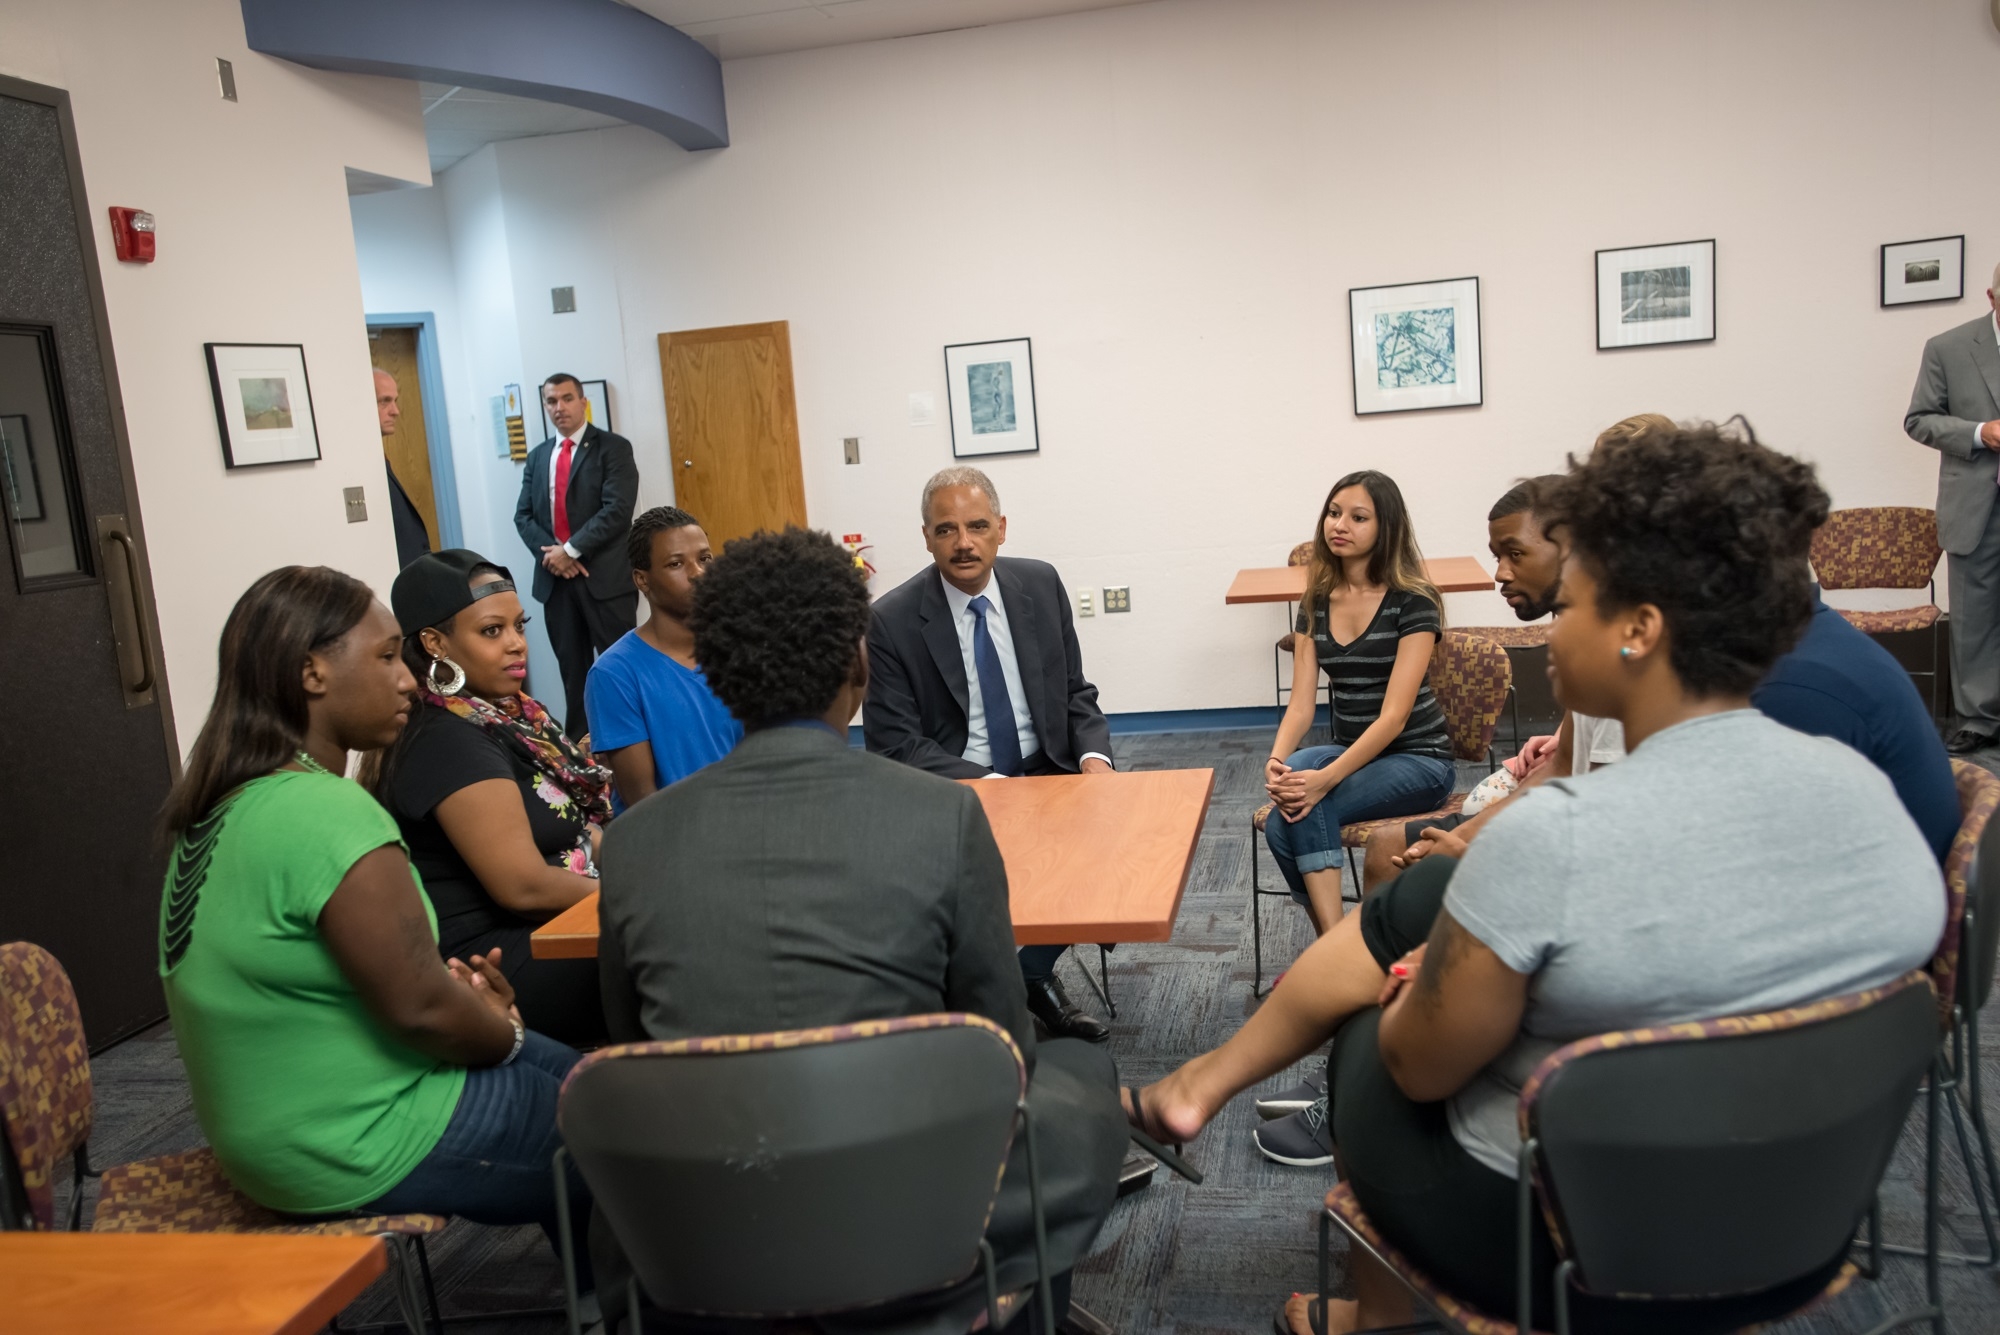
[597,408]
[263,405]
[1656,294]
[1920,271]
[17,468]
[991,390]
[1416,345]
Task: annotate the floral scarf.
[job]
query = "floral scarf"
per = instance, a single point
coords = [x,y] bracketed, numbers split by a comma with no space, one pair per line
[565,776]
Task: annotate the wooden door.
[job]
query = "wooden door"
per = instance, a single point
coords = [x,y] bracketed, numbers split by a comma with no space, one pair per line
[87,744]
[409,452]
[733,428]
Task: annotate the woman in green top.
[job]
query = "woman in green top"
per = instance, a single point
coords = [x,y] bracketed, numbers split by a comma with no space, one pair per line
[337,1063]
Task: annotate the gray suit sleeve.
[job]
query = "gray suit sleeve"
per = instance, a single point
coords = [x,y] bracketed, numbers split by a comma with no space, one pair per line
[614,987]
[1930,421]
[982,973]
[892,725]
[612,523]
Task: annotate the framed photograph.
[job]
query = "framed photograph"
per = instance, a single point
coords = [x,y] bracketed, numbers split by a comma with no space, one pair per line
[1416,345]
[1920,271]
[1656,294]
[991,390]
[17,468]
[263,405]
[596,397]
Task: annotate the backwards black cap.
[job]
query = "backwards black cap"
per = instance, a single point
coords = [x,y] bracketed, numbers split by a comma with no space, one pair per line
[437,586]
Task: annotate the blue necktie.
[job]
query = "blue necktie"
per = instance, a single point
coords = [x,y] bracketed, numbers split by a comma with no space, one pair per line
[1001,737]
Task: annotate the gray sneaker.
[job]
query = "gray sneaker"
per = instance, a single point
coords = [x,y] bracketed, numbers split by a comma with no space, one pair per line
[1296,1099]
[1303,1140]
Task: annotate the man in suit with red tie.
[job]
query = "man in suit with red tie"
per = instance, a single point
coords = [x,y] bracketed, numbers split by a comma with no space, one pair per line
[575,513]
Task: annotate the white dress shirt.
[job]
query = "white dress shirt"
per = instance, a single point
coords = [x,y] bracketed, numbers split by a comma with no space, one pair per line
[554,457]
[964,620]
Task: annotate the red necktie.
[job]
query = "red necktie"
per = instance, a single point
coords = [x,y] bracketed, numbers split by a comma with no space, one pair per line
[562,493]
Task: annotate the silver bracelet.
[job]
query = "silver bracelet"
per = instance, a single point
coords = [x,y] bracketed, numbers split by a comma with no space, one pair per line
[520,1037]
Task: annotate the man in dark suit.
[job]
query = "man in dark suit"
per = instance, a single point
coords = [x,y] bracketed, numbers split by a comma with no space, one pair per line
[974,670]
[1955,410]
[412,538]
[575,513]
[798,883]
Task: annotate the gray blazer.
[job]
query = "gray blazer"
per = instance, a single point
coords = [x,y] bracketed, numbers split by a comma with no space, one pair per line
[1958,387]
[798,882]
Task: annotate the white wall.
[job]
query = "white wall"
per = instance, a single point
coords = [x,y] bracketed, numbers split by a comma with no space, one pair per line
[254,247]
[1173,199]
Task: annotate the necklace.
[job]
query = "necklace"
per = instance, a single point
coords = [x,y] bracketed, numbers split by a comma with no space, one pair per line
[309,763]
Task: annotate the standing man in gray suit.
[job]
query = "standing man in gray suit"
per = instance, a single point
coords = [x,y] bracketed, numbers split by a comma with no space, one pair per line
[1956,411]
[575,514]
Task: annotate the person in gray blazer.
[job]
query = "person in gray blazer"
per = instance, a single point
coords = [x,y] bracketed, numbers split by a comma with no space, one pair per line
[575,514]
[974,629]
[1955,410]
[799,882]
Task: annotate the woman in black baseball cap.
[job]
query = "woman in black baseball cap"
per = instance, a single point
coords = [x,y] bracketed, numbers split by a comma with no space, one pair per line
[501,811]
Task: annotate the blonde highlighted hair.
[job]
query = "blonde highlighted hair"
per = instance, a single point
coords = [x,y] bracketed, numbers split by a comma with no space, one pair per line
[1639,424]
[1396,562]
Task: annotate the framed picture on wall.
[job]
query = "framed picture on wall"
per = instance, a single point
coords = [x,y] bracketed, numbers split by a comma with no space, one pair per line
[17,470]
[1416,346]
[1918,271]
[991,390]
[1656,294]
[597,397]
[263,405]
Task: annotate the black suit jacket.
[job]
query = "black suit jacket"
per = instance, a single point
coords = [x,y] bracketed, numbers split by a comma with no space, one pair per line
[603,487]
[885,897]
[917,695]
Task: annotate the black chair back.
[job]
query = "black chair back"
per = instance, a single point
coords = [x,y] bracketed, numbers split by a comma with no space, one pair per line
[1728,1156]
[784,1174]
[1982,932]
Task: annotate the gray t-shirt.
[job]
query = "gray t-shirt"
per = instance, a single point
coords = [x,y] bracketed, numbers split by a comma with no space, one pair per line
[1728,865]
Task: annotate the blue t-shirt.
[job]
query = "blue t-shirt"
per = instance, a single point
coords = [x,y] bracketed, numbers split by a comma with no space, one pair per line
[1838,683]
[635,693]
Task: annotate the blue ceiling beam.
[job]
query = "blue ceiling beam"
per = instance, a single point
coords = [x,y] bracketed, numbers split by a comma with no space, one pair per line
[592,54]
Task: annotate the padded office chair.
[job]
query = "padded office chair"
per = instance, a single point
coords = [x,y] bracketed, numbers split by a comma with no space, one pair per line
[1886,547]
[1962,972]
[837,1168]
[46,1111]
[1521,641]
[1730,1156]
[1471,678]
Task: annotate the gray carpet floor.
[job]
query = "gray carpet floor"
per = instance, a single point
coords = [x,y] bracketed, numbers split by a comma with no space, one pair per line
[1220,1256]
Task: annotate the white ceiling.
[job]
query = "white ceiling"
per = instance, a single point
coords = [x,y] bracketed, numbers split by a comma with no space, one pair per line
[734,29]
[460,121]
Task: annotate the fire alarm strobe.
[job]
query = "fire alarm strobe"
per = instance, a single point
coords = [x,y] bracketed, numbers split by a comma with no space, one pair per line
[132,235]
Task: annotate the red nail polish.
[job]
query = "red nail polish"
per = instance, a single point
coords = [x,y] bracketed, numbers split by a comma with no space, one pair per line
[1400,970]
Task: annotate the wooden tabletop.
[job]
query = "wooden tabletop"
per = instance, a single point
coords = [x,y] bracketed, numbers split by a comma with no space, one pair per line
[181,1283]
[1090,858]
[1287,584]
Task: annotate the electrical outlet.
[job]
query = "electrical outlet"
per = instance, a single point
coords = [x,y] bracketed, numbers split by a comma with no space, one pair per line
[1084,607]
[1118,599]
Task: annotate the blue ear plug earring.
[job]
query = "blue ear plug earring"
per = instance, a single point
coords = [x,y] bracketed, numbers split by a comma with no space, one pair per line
[1625,651]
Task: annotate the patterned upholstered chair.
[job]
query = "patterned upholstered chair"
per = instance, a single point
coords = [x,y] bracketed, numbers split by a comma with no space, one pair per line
[1728,1156]
[878,1151]
[45,1108]
[1887,547]
[1471,678]
[1520,640]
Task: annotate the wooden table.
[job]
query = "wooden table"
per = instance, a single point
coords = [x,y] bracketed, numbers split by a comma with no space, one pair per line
[1287,584]
[181,1283]
[1090,857]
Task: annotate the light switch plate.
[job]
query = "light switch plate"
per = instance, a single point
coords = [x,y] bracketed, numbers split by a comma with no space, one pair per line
[1118,599]
[851,446]
[1084,606]
[225,75]
[357,504]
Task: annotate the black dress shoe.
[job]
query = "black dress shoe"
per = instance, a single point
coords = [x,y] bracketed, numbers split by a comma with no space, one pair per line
[1965,741]
[1048,1003]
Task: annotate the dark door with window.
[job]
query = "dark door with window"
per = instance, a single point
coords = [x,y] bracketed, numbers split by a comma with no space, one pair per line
[87,747]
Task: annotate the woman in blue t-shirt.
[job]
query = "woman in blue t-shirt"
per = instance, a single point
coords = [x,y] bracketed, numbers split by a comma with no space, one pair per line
[653,719]
[1369,620]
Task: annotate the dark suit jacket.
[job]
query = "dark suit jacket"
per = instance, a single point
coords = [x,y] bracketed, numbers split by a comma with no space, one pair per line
[917,696]
[412,538]
[603,487]
[798,882]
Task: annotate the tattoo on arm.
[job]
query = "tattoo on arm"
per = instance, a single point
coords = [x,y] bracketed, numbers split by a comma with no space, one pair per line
[1444,950]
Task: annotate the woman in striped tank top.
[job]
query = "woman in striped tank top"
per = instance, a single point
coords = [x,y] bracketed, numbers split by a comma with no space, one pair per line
[1369,620]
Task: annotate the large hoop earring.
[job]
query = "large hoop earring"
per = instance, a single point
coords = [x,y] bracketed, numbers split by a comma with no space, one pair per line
[452,687]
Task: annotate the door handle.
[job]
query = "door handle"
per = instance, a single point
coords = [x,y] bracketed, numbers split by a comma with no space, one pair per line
[687,463]
[128,621]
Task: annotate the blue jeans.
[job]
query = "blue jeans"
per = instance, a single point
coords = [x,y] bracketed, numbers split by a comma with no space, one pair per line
[1393,785]
[493,1163]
